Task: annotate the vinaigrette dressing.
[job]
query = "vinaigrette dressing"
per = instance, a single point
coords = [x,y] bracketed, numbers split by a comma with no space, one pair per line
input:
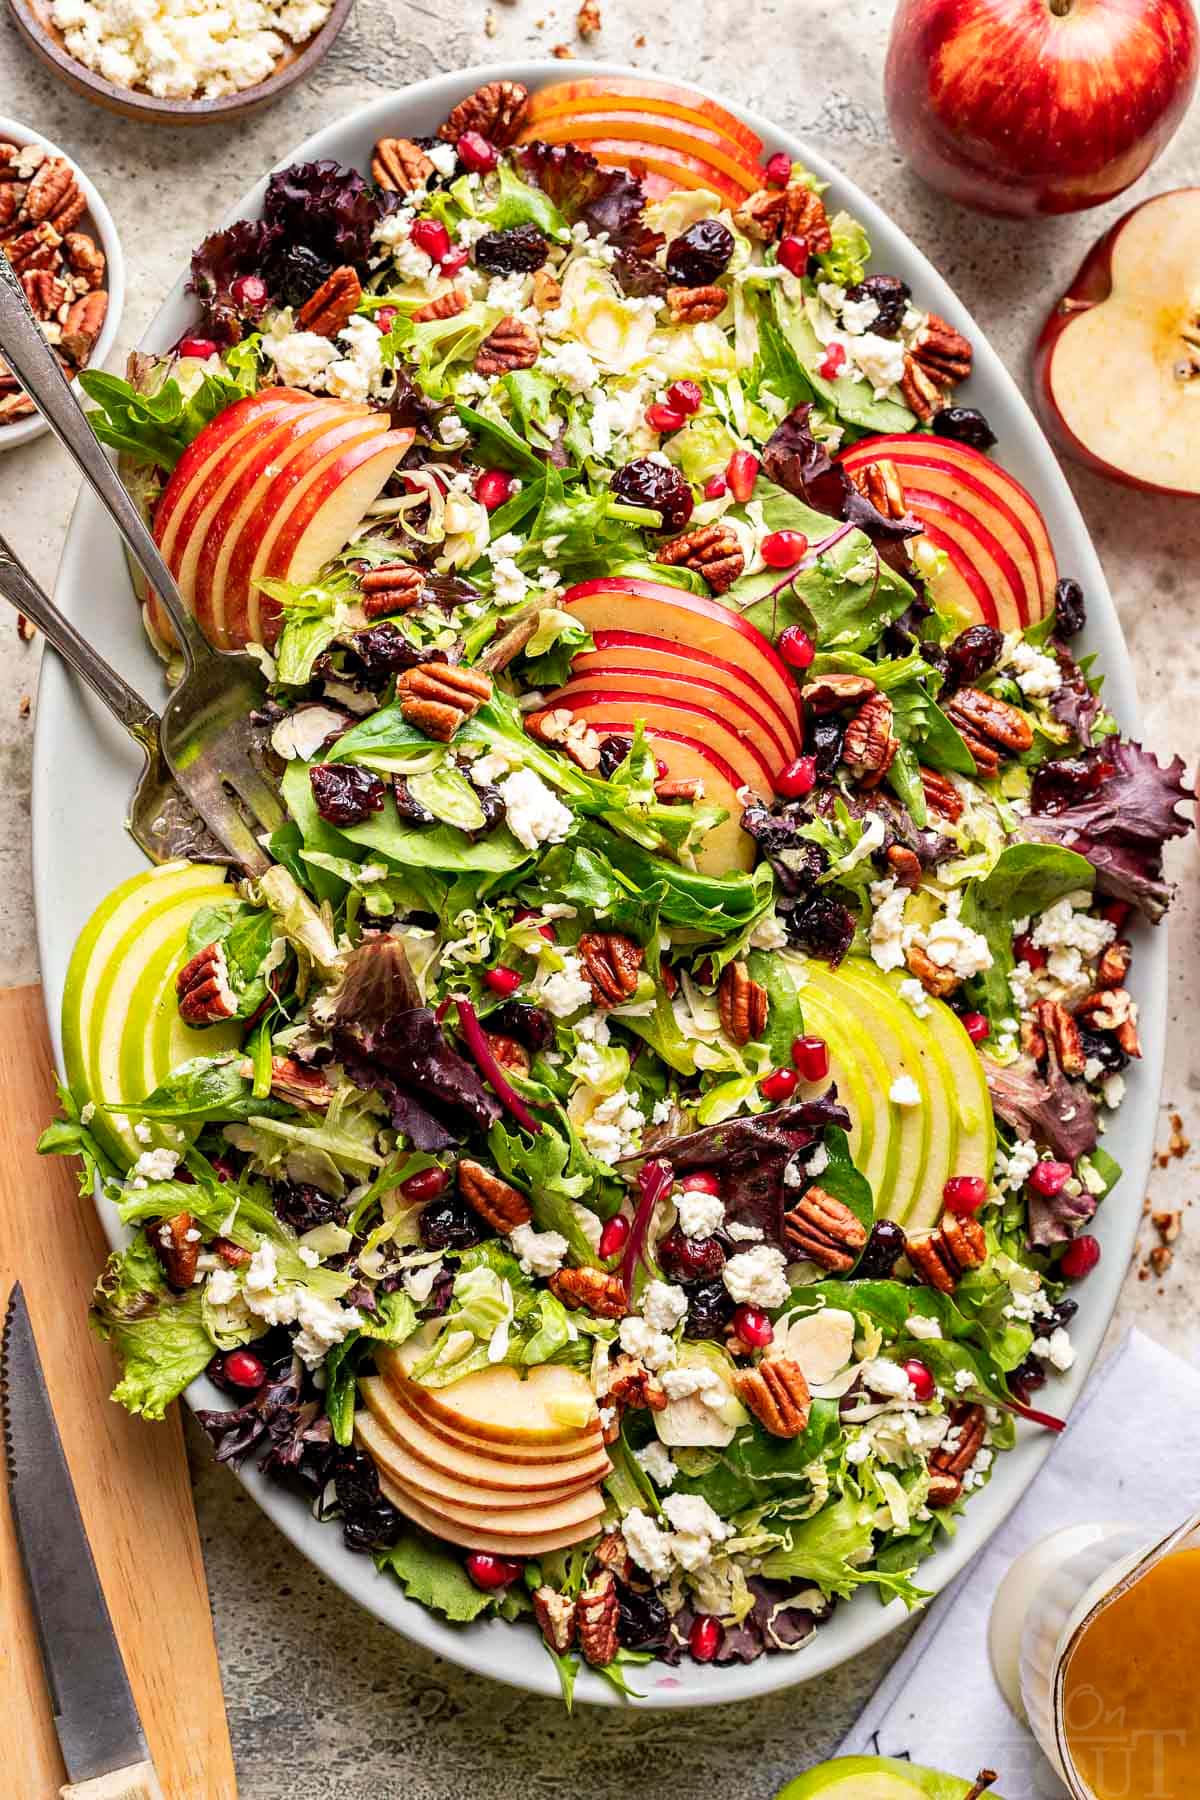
[1131,1693]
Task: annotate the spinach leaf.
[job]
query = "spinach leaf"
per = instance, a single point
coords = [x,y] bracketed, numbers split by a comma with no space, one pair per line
[756,1469]
[1025,878]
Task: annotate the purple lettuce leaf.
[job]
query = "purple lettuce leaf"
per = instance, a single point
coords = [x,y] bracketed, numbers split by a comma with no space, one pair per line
[329,208]
[752,1154]
[1056,1220]
[774,1623]
[1074,704]
[607,200]
[280,1420]
[1121,827]
[216,265]
[794,459]
[1052,1110]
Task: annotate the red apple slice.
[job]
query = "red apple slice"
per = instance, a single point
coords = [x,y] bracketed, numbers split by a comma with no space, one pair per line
[218,439]
[614,675]
[970,479]
[660,713]
[1002,578]
[695,142]
[693,621]
[1118,372]
[656,654]
[322,521]
[646,96]
[679,166]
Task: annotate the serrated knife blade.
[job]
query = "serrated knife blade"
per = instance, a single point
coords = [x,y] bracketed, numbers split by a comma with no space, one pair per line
[94,1713]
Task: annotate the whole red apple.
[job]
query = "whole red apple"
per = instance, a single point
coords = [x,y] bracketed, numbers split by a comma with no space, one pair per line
[1038,106]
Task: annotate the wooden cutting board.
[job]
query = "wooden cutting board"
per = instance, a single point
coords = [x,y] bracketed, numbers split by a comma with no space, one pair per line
[131,1478]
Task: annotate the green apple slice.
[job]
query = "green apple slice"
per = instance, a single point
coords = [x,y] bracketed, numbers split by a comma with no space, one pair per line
[860,1074]
[975,1152]
[878,1778]
[121,1029]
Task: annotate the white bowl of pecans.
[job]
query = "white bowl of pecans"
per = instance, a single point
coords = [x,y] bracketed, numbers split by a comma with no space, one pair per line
[58,233]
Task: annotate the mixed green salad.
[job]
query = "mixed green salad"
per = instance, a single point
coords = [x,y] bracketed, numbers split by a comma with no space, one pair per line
[739,1033]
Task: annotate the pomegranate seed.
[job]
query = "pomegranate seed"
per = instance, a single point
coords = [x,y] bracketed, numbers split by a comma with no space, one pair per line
[1080,1258]
[701,1181]
[964,1193]
[704,1639]
[976,1027]
[526,912]
[831,363]
[493,488]
[783,548]
[662,418]
[244,1369]
[811,1057]
[615,1236]
[502,981]
[798,779]
[426,1184]
[741,473]
[1049,1178]
[778,170]
[431,236]
[1026,951]
[780,1084]
[490,1572]
[385,318]
[685,396]
[1116,912]
[793,254]
[474,150]
[250,293]
[660,769]
[753,1326]
[923,1384]
[197,346]
[715,487]
[796,647]
[455,260]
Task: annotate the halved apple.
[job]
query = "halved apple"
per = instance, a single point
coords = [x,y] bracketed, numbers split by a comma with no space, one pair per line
[656,655]
[599,95]
[693,621]
[610,673]
[476,1459]
[538,1540]
[614,711]
[1118,363]
[650,136]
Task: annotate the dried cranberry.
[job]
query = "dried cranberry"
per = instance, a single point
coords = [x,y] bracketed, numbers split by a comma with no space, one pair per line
[613,751]
[301,1206]
[690,1259]
[407,804]
[295,273]
[448,1224]
[1104,1048]
[518,251]
[891,296]
[709,1310]
[1027,1378]
[638,277]
[823,741]
[346,795]
[1070,608]
[642,1620]
[1066,780]
[965,424]
[885,1246]
[494,810]
[701,254]
[644,482]
[528,1024]
[383,649]
[369,1522]
[973,652]
[1046,1324]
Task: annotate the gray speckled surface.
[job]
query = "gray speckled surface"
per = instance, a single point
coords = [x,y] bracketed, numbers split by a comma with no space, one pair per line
[322,1701]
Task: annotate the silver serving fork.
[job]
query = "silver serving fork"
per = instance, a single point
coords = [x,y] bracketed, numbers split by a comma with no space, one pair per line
[210,745]
[162,821]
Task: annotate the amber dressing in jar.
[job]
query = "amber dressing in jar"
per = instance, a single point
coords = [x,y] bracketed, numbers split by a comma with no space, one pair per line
[1131,1689]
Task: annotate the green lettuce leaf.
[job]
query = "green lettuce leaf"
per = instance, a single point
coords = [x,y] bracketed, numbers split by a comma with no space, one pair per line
[434,1575]
[158,1336]
[1025,879]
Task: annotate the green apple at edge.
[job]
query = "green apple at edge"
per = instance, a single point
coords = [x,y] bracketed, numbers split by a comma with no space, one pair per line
[878,1778]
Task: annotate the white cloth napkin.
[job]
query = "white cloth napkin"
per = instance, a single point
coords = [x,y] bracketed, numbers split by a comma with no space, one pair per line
[1128,1454]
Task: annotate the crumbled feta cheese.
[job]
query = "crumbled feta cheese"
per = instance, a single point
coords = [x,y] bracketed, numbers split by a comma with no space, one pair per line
[534,813]
[571,365]
[880,360]
[1014,1168]
[883,1377]
[859,315]
[887,923]
[914,995]
[222,1287]
[818,1160]
[1057,1349]
[769,934]
[614,1128]
[639,1338]
[587,1222]
[153,1165]
[757,1277]
[142,1131]
[647,1543]
[323,1323]
[697,1529]
[918,1326]
[700,1214]
[1067,925]
[300,357]
[904,1091]
[963,1379]
[656,1460]
[538,1252]
[664,1306]
[949,944]
[509,585]
[1037,674]
[661,1112]
[681,1384]
[181,49]
[1114,1091]
[742,1234]
[567,989]
[308,1256]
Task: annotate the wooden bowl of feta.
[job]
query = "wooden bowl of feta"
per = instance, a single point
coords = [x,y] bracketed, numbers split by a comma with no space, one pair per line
[180,62]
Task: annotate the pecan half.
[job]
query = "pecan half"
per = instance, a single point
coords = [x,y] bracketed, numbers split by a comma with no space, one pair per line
[11,195]
[555,1615]
[571,734]
[868,748]
[940,1257]
[777,1394]
[44,292]
[965,1239]
[399,165]
[689,789]
[597,1612]
[82,325]
[508,1052]
[498,1204]
[299,1084]
[824,1230]
[963,1442]
[714,551]
[880,483]
[611,962]
[696,305]
[15,406]
[54,194]
[512,345]
[234,1256]
[761,216]
[335,302]
[1059,1029]
[547,290]
[994,721]
[943,1489]
[1113,966]
[593,1290]
[935,981]
[1115,1010]
[36,248]
[804,216]
[446,306]
[905,865]
[743,1004]
[612,1552]
[176,1243]
[84,257]
[202,986]
[587,19]
[941,795]
[495,111]
[391,587]
[830,693]
[628,1383]
[437,697]
[939,359]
